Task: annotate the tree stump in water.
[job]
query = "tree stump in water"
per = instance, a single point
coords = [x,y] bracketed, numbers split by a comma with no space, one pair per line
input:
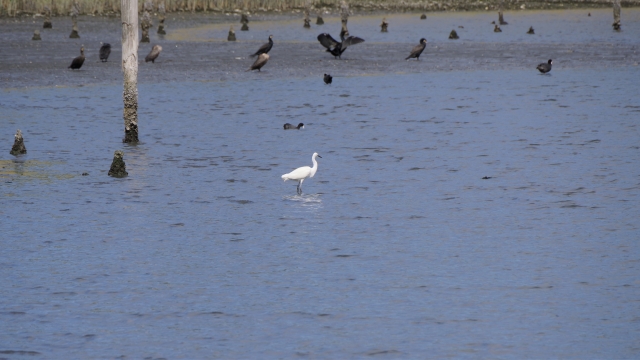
[501,19]
[18,145]
[423,17]
[344,13]
[36,35]
[453,35]
[244,27]
[47,19]
[74,30]
[244,19]
[74,18]
[616,15]
[384,26]
[161,11]
[145,24]
[531,32]
[118,168]
[319,20]
[232,34]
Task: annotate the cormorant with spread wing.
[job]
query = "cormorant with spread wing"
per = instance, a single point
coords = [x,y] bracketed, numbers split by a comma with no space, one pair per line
[338,47]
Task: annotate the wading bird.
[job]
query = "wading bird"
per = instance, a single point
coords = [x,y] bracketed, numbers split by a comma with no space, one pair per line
[264,49]
[302,173]
[153,55]
[105,51]
[545,67]
[77,62]
[418,49]
[338,47]
[259,63]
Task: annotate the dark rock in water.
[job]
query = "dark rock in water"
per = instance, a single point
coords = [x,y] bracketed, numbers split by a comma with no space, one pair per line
[232,34]
[319,20]
[589,14]
[423,17]
[36,35]
[85,174]
[531,30]
[18,145]
[497,29]
[453,35]
[244,27]
[384,27]
[47,24]
[118,168]
[486,177]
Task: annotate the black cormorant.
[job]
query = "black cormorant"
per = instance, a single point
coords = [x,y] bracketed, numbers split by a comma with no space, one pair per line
[153,55]
[417,50]
[545,67]
[105,50]
[338,47]
[78,61]
[264,49]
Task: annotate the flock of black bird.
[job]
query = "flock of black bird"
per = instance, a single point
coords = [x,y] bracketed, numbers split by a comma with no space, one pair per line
[333,46]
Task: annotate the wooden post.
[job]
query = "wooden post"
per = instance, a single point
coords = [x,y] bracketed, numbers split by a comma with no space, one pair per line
[344,13]
[18,145]
[129,9]
[161,11]
[616,15]
[146,24]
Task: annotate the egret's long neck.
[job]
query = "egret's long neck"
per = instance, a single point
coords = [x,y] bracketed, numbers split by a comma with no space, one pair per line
[315,166]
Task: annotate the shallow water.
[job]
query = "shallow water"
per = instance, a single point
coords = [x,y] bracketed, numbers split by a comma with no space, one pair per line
[398,246]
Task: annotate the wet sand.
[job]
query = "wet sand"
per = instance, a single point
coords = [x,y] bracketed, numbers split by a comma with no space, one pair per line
[188,56]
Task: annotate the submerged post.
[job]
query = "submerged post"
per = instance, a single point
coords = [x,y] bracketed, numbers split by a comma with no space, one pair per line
[74,18]
[616,15]
[47,19]
[18,145]
[118,168]
[145,24]
[130,69]
[161,12]
[344,13]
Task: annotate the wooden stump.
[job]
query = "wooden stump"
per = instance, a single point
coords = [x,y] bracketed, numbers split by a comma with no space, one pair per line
[118,168]
[18,145]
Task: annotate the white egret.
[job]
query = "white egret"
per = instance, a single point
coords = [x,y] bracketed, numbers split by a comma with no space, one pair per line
[302,173]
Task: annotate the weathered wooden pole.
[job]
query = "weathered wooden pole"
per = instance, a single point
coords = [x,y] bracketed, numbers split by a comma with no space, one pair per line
[344,13]
[118,167]
[616,15]
[47,19]
[146,24]
[74,18]
[161,12]
[129,9]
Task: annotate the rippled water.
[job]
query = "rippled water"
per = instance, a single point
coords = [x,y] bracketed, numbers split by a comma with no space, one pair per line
[397,248]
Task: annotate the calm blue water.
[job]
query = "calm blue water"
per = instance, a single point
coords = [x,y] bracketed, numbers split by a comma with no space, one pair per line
[397,248]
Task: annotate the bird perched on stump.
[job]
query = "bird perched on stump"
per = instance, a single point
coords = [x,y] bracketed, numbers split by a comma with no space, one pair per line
[259,63]
[153,55]
[545,67]
[78,61]
[328,79]
[417,50]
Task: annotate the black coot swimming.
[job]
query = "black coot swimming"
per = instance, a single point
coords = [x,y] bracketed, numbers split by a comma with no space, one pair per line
[545,67]
[328,79]
[288,126]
